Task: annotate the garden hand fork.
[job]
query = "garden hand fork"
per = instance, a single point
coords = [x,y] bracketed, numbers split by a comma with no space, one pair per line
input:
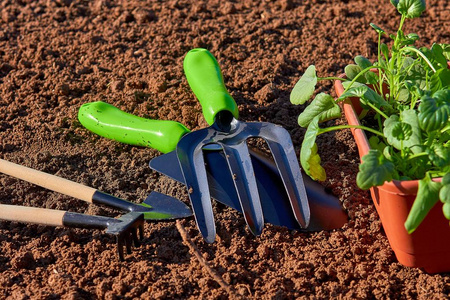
[226,132]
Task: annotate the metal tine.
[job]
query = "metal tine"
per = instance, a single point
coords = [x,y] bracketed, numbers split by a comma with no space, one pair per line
[190,157]
[134,233]
[127,238]
[239,162]
[283,152]
[128,241]
[119,239]
[141,231]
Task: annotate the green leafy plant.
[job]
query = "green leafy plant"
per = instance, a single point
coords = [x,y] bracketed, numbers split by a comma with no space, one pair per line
[406,95]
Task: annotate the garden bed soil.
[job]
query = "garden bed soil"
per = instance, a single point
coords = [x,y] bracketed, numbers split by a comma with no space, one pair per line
[57,55]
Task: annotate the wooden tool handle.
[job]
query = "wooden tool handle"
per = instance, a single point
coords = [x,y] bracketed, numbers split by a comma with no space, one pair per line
[48,181]
[34,215]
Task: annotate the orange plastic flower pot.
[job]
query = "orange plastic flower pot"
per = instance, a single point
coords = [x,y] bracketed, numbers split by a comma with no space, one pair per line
[429,246]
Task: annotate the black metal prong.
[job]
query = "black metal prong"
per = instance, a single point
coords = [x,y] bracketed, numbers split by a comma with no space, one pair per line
[136,240]
[128,242]
[120,245]
[141,231]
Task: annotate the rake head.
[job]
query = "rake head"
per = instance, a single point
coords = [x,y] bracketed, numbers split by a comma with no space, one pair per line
[231,135]
[129,230]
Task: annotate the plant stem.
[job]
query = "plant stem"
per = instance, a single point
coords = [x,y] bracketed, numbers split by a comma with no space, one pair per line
[360,74]
[417,155]
[379,60]
[402,20]
[421,55]
[431,138]
[331,78]
[377,110]
[445,128]
[339,127]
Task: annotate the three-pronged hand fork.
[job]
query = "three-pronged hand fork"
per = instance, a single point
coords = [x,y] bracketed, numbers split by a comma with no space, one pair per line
[205,79]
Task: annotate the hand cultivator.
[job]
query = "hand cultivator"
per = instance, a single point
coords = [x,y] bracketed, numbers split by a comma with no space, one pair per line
[156,207]
[124,228]
[216,161]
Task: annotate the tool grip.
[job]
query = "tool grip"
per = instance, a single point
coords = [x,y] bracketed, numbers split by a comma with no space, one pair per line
[34,215]
[206,81]
[51,182]
[108,121]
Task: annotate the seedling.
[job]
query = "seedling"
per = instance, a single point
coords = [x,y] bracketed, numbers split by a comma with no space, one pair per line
[407,93]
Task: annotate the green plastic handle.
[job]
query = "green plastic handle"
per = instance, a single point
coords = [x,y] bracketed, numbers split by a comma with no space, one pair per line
[108,121]
[206,81]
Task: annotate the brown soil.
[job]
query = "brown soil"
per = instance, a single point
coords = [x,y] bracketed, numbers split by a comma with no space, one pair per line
[57,55]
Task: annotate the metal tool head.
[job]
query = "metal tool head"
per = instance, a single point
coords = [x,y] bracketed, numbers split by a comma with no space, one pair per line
[231,135]
[159,206]
[326,210]
[129,230]
[156,206]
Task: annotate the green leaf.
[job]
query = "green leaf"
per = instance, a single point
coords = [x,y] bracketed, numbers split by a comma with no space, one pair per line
[444,78]
[435,82]
[439,155]
[371,77]
[304,88]
[374,171]
[378,29]
[323,106]
[434,112]
[409,39]
[388,152]
[430,56]
[356,91]
[407,63]
[446,208]
[346,84]
[385,50]
[412,36]
[410,8]
[365,94]
[410,116]
[403,131]
[351,71]
[444,194]
[427,197]
[309,158]
[438,55]
[375,143]
[375,99]
[363,62]
[446,50]
[416,73]
[403,95]
[395,3]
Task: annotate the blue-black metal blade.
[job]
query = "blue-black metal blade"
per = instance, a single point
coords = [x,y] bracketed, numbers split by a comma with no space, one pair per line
[241,168]
[164,204]
[190,157]
[326,210]
[283,153]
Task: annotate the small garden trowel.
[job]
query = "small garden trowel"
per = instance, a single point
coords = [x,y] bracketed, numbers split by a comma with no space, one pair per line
[155,207]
